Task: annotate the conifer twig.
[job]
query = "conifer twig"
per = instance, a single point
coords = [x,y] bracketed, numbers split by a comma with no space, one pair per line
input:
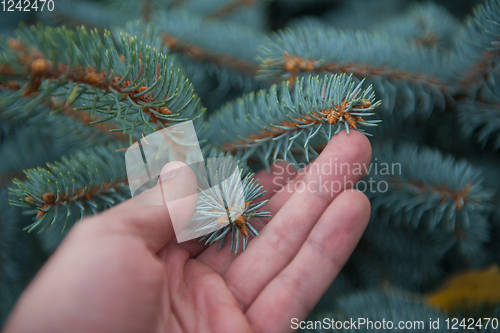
[271,124]
[477,49]
[415,79]
[203,47]
[85,182]
[138,88]
[422,188]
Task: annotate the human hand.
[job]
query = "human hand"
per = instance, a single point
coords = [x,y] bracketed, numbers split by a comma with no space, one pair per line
[123,271]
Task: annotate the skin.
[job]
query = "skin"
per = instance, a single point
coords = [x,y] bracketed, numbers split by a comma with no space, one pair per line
[123,271]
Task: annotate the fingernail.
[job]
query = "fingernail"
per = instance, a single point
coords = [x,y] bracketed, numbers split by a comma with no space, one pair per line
[169,171]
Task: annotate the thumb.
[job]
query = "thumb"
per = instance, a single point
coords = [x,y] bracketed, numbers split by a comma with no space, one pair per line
[149,216]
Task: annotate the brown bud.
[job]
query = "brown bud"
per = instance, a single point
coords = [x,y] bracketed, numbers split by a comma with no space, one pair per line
[92,78]
[164,110]
[241,222]
[351,121]
[40,66]
[48,198]
[289,66]
[16,45]
[244,230]
[366,104]
[333,118]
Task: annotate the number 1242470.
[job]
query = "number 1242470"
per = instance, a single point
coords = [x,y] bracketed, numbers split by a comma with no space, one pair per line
[27,5]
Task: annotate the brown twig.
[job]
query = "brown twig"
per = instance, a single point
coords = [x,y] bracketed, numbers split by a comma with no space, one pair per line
[332,116]
[201,54]
[84,194]
[295,65]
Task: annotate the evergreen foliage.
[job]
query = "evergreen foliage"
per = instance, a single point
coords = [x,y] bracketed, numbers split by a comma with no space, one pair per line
[409,79]
[411,261]
[87,182]
[248,12]
[224,211]
[477,48]
[310,23]
[69,125]
[363,14]
[480,117]
[74,13]
[37,147]
[426,189]
[205,49]
[135,85]
[427,24]
[72,99]
[272,124]
[20,255]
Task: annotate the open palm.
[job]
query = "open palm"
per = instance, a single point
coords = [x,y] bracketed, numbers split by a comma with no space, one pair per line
[123,271]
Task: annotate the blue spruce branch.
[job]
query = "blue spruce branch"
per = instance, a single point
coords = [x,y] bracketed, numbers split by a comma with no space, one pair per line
[426,188]
[477,48]
[271,124]
[205,49]
[136,85]
[427,24]
[86,182]
[409,79]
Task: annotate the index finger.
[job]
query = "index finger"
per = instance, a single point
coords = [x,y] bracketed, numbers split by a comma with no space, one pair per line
[281,239]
